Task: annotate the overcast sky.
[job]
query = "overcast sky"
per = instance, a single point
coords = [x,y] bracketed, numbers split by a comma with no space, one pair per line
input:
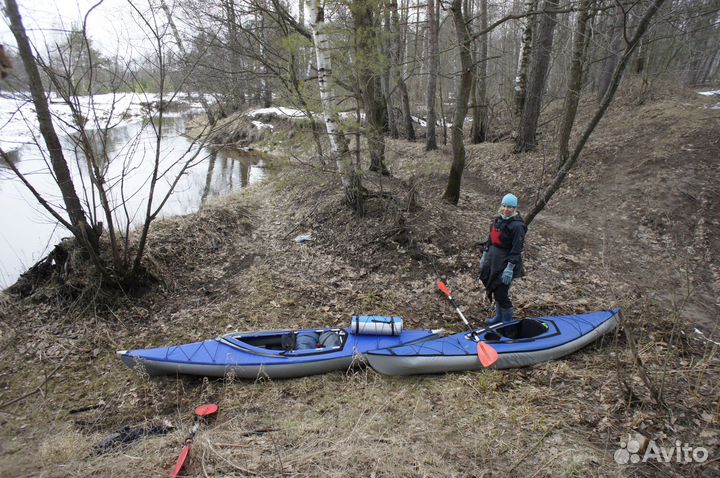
[109,24]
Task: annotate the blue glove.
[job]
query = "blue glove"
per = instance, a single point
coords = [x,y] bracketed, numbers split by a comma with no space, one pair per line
[507,275]
[483,259]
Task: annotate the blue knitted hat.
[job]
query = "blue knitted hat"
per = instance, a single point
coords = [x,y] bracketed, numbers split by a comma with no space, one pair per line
[509,200]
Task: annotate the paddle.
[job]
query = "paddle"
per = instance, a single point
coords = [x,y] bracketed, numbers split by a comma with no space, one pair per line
[487,355]
[201,413]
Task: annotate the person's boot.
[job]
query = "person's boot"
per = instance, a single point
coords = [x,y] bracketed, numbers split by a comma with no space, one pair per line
[506,315]
[497,317]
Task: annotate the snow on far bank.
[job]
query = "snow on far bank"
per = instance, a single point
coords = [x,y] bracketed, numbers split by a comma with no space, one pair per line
[278,111]
[18,122]
[716,106]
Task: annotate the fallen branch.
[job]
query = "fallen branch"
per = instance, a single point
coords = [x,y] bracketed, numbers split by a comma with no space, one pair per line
[654,393]
[33,392]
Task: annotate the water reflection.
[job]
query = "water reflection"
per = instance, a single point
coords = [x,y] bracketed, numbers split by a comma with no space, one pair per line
[27,231]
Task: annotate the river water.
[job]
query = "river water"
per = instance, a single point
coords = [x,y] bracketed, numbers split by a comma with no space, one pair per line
[28,232]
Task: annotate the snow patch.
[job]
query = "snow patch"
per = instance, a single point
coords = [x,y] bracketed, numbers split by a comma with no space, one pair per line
[702,335]
[18,122]
[278,111]
[716,106]
[260,125]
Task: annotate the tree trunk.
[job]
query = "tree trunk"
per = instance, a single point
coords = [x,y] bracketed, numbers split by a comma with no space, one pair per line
[431,120]
[349,177]
[86,235]
[574,85]
[524,58]
[365,36]
[400,72]
[480,113]
[452,192]
[615,49]
[536,86]
[604,104]
[387,76]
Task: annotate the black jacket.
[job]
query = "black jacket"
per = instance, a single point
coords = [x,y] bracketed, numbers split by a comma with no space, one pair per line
[505,245]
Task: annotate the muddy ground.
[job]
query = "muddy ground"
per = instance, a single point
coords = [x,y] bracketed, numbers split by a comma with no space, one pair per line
[635,225]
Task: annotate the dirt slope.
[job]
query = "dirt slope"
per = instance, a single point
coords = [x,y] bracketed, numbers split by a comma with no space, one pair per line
[634,226]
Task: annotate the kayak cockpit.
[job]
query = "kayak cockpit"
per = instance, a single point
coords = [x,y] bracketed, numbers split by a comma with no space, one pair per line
[519,330]
[288,343]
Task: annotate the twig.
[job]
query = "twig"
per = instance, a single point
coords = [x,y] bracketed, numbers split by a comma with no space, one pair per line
[33,392]
[277,451]
[247,434]
[527,453]
[638,362]
[85,409]
[307,216]
[234,465]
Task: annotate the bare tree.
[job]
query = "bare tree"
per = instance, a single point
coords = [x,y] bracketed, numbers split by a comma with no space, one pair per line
[452,191]
[526,22]
[367,59]
[397,61]
[89,139]
[536,88]
[480,108]
[77,223]
[630,47]
[575,81]
[181,46]
[431,120]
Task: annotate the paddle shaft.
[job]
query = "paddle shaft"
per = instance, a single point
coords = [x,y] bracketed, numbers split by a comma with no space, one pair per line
[462,316]
[447,293]
[488,356]
[200,414]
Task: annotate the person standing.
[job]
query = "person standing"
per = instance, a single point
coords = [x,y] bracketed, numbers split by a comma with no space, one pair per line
[501,261]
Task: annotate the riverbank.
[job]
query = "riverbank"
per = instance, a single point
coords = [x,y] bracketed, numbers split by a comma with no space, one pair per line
[622,232]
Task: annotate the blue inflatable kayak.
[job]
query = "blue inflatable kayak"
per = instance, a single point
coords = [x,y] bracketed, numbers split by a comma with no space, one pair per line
[276,353]
[519,344]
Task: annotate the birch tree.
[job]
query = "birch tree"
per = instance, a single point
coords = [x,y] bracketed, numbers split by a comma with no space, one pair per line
[349,176]
[526,39]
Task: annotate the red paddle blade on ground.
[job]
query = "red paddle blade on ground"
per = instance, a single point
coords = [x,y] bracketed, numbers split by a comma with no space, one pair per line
[206,410]
[488,355]
[181,461]
[443,288]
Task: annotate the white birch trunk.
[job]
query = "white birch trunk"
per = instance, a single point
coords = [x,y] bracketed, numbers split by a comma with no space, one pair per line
[338,143]
[524,57]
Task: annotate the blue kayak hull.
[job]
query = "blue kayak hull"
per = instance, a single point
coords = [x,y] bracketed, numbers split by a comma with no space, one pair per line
[254,355]
[518,343]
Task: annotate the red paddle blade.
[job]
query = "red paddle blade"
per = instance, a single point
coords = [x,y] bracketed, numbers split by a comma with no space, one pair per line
[181,461]
[443,288]
[488,355]
[206,410]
